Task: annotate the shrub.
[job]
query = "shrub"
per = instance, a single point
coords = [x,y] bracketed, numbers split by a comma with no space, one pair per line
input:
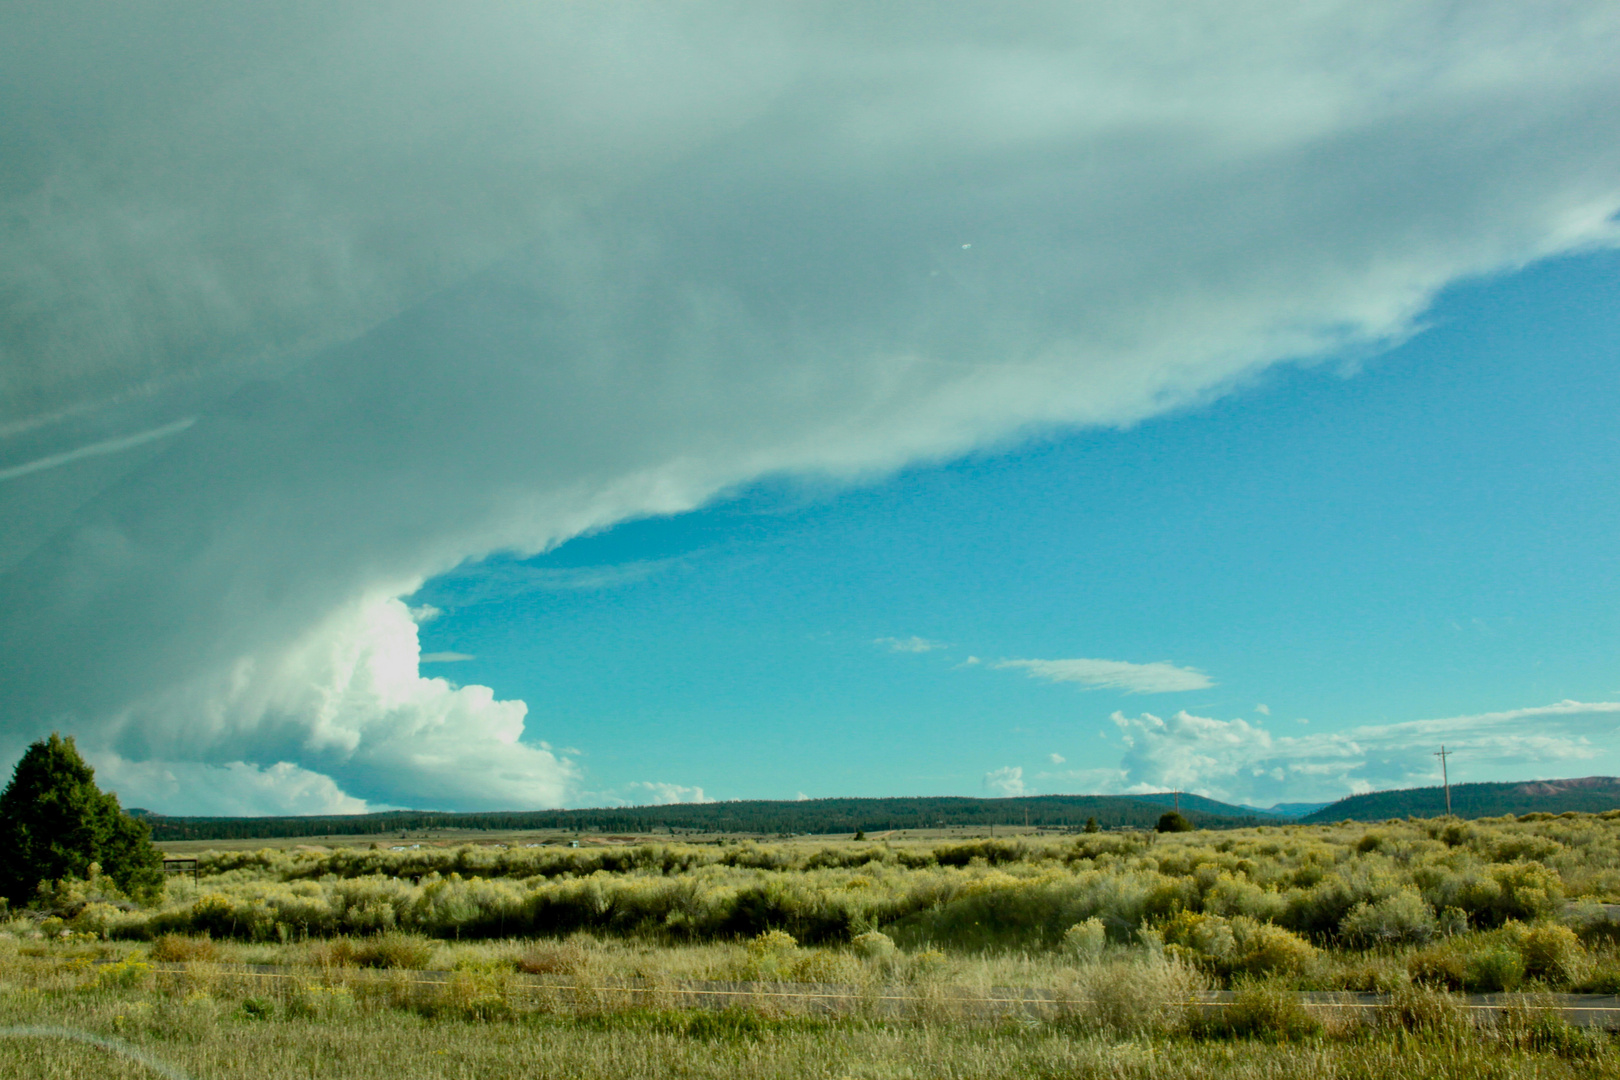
[1400,919]
[1136,997]
[1493,970]
[566,958]
[124,974]
[1553,952]
[1264,1010]
[873,945]
[1086,940]
[1240,944]
[772,943]
[1426,1011]
[258,1008]
[317,1002]
[172,948]
[1438,967]
[405,951]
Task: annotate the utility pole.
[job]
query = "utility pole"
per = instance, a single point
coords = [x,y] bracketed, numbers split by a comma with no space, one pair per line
[1445,776]
[1178,801]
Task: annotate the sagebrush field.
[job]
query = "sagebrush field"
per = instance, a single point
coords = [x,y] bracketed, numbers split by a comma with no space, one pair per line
[501,960]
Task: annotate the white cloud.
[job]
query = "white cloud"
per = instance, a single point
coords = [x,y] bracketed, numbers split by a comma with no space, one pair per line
[1158,678]
[1237,761]
[348,704]
[1006,782]
[1262,710]
[666,794]
[1056,759]
[559,270]
[801,797]
[230,790]
[910,644]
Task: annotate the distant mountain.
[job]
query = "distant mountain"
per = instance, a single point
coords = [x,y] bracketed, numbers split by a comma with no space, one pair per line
[760,817]
[1207,806]
[1590,794]
[1297,809]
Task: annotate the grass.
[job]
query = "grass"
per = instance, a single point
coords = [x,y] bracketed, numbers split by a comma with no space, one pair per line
[466,961]
[1126,1019]
[209,1037]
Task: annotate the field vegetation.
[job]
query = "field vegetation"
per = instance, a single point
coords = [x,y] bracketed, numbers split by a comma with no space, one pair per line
[886,959]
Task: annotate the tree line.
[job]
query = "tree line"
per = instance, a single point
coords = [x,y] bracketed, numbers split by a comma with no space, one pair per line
[761,817]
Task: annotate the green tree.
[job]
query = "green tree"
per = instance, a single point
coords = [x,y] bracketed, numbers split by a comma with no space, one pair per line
[55,822]
[1092,826]
[1173,822]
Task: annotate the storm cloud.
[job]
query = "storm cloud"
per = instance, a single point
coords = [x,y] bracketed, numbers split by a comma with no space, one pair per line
[438,282]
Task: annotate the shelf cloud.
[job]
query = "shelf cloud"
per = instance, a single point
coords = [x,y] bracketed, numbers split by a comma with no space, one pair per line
[438,283]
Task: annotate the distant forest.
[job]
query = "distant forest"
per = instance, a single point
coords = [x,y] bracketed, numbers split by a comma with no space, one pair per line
[1589,795]
[763,817]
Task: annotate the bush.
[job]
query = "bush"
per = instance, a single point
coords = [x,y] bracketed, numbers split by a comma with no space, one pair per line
[873,945]
[567,958]
[1402,919]
[1086,940]
[1553,953]
[404,951]
[1495,969]
[1240,944]
[1136,997]
[1426,1011]
[1439,967]
[174,949]
[1262,1010]
[258,1008]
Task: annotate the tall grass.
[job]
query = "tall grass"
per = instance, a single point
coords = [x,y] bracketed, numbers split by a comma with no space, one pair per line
[1461,905]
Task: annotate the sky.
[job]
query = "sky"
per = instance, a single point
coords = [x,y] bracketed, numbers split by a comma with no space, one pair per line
[564,405]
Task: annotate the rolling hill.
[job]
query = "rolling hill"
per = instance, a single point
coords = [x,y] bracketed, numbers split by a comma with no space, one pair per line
[1590,794]
[764,817]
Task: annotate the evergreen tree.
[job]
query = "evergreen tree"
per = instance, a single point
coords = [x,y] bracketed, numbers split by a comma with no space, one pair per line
[1092,826]
[1173,822]
[55,822]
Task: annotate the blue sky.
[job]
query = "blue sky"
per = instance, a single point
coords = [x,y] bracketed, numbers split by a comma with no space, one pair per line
[1420,533]
[775,399]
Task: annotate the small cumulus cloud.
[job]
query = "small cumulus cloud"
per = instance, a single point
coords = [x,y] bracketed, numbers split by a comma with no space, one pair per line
[667,794]
[801,797]
[1155,678]
[912,644]
[1056,759]
[1238,761]
[1263,710]
[1007,781]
